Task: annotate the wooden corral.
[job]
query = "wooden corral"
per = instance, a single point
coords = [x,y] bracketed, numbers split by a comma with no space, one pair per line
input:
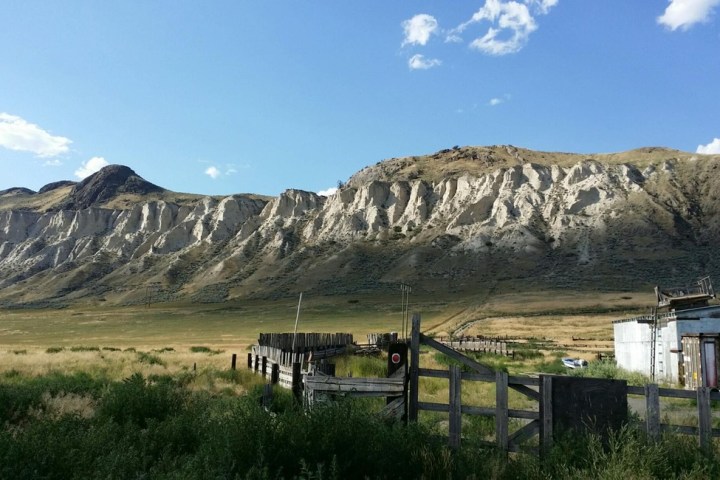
[595,404]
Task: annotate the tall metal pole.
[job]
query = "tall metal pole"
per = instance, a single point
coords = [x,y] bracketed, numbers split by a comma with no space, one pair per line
[404,304]
[407,308]
[297,318]
[402,309]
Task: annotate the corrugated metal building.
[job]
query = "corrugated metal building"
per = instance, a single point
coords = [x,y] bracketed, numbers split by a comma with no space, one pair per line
[677,346]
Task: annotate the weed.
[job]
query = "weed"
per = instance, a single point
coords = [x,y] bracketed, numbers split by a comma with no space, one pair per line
[360,366]
[160,427]
[608,369]
[554,366]
[150,359]
[54,350]
[202,349]
[164,349]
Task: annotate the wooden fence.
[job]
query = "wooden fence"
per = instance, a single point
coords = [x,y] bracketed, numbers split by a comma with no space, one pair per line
[382,339]
[555,399]
[314,384]
[276,355]
[302,342]
[541,420]
[504,440]
[475,344]
[703,396]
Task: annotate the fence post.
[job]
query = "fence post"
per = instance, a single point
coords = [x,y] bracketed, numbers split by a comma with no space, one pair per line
[501,410]
[455,406]
[249,361]
[275,373]
[257,362]
[704,419]
[296,380]
[546,442]
[264,367]
[267,395]
[414,367]
[652,411]
[233,362]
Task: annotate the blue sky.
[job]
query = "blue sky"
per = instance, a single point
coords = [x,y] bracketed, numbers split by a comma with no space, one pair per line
[222,97]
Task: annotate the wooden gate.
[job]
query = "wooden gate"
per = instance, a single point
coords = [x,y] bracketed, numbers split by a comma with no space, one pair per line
[504,439]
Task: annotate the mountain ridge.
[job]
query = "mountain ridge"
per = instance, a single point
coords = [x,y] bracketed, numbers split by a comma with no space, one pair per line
[514,217]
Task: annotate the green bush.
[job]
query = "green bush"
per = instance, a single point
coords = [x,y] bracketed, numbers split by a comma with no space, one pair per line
[54,350]
[82,348]
[19,394]
[137,401]
[202,349]
[554,366]
[149,359]
[608,369]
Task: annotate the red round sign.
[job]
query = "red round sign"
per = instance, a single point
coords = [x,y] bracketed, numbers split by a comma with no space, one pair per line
[395,358]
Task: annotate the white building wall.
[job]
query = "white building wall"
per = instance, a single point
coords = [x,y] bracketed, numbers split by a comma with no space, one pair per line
[632,346]
[633,342]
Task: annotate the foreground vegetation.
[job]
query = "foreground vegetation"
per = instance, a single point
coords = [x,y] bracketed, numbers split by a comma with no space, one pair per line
[147,392]
[82,425]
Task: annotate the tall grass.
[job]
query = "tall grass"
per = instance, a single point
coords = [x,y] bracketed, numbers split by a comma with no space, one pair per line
[160,427]
[608,369]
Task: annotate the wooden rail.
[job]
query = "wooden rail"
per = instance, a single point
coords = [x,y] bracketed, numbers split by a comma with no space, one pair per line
[480,346]
[703,396]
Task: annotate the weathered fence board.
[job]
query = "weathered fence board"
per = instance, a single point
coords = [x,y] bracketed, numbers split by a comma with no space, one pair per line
[301,342]
[381,387]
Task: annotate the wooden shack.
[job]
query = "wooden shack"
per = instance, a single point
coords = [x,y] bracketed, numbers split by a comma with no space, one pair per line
[677,342]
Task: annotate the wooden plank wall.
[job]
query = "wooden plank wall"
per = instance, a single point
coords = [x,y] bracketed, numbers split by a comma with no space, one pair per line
[304,341]
[276,355]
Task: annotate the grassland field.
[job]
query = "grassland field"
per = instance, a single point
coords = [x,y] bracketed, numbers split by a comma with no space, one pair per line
[64,368]
[97,336]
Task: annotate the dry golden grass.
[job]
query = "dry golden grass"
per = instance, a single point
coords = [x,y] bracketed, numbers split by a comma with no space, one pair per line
[203,368]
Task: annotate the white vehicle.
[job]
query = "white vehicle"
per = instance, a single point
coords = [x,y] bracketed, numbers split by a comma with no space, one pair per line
[574,362]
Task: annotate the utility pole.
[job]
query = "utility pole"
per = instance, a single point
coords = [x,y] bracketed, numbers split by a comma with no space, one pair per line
[297,318]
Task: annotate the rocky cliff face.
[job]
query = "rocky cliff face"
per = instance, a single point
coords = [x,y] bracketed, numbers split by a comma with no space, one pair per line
[441,224]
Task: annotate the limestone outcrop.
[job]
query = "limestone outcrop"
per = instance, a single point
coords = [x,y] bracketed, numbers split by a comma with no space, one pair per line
[576,219]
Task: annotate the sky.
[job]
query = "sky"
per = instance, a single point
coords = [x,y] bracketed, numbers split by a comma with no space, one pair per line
[223,97]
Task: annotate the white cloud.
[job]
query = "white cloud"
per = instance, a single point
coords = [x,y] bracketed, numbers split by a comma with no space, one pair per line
[498,100]
[226,170]
[53,162]
[542,6]
[686,13]
[711,148]
[418,29]
[511,22]
[91,166]
[213,172]
[328,192]
[419,62]
[17,134]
